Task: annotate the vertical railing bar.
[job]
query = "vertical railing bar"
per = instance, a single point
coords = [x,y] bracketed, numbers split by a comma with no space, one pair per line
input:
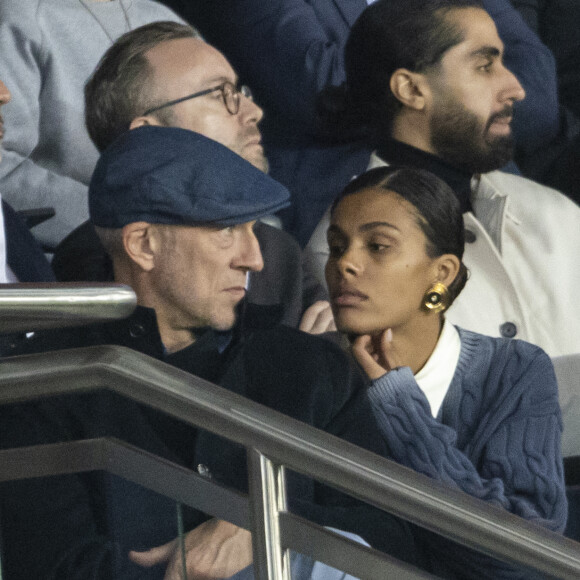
[282,507]
[266,501]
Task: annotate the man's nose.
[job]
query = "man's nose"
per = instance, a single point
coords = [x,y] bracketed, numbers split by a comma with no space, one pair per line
[512,90]
[249,110]
[250,257]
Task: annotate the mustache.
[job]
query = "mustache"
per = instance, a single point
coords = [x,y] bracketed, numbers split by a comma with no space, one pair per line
[253,133]
[506,112]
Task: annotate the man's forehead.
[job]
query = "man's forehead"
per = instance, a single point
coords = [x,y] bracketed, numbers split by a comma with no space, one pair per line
[480,37]
[181,58]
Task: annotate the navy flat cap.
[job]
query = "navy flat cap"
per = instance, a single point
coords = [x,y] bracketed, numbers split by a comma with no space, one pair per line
[167,175]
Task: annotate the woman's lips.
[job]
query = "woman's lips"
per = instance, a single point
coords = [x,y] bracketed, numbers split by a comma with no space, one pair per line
[348,297]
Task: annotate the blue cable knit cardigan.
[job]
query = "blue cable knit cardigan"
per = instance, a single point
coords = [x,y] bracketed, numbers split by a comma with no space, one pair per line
[496,437]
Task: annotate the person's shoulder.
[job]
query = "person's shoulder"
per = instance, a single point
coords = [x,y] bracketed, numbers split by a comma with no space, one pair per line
[503,352]
[541,212]
[522,189]
[282,347]
[283,337]
[315,373]
[497,342]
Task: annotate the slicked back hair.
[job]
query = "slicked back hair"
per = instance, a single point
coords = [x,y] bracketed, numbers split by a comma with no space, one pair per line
[436,208]
[413,34]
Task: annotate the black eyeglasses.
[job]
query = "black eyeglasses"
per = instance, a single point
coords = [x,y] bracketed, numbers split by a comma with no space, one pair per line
[230,95]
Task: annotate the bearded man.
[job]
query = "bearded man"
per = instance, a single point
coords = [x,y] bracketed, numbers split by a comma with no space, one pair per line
[427,83]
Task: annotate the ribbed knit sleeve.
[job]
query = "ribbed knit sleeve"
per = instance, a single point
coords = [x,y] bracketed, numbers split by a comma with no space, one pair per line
[507,401]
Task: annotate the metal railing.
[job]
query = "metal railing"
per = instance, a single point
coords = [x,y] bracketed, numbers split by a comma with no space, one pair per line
[274,442]
[30,307]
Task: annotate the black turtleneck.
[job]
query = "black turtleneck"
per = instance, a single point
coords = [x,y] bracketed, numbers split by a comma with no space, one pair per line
[395,152]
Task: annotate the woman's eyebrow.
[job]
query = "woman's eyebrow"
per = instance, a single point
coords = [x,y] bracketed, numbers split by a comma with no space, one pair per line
[372,225]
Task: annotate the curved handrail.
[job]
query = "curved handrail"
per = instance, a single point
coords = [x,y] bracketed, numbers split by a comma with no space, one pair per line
[303,448]
[29,307]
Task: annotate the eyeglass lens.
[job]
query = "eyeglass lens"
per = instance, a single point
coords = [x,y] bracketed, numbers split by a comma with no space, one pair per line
[231,95]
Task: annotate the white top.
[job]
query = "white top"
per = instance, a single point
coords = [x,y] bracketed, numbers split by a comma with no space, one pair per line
[436,375]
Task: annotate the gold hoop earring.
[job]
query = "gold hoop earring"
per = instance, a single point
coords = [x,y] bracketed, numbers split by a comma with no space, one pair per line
[437,298]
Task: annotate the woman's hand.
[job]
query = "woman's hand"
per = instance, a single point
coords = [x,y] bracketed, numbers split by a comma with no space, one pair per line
[376,354]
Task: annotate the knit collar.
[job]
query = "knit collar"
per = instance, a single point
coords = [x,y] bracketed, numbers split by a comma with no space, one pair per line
[396,152]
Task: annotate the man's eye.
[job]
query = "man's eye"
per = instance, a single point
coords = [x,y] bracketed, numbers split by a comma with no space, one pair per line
[486,67]
[226,233]
[336,249]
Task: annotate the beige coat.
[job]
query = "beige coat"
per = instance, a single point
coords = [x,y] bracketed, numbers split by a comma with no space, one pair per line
[524,263]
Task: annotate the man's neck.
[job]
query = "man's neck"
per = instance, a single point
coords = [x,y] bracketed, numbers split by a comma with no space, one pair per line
[410,130]
[174,342]
[399,153]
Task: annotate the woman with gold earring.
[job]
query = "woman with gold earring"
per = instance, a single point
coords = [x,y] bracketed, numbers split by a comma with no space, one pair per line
[476,412]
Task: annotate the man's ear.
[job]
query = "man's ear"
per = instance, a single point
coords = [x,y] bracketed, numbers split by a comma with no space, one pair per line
[141,244]
[144,121]
[409,88]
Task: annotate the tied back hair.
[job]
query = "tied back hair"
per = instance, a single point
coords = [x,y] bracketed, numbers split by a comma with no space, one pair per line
[434,203]
[414,34]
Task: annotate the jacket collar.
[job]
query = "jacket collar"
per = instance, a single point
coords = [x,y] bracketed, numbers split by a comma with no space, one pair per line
[487,202]
[140,331]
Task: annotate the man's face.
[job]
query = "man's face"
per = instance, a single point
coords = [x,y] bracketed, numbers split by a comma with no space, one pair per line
[200,275]
[472,97]
[185,66]
[4,98]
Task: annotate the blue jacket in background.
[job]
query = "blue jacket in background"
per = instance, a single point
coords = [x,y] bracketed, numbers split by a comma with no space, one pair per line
[289,50]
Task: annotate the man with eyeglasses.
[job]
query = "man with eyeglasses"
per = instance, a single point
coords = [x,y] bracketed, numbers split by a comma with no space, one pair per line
[163,74]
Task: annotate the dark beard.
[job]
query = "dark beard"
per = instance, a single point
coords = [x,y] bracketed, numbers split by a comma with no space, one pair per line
[459,139]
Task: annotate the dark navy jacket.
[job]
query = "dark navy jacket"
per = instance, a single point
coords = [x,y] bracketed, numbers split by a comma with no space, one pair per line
[82,526]
[23,253]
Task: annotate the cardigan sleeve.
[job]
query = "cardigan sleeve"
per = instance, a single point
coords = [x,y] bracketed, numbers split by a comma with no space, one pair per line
[518,467]
[521,467]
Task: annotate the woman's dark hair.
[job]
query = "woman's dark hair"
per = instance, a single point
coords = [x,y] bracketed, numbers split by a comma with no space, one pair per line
[437,210]
[412,34]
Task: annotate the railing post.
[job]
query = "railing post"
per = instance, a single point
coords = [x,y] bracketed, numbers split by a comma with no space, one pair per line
[267,486]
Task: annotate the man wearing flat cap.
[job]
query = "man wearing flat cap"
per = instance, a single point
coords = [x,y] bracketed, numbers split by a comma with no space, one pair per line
[181,234]
[164,74]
